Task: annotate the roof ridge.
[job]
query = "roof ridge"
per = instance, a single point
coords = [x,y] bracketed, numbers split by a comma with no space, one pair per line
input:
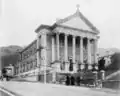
[65,19]
[88,22]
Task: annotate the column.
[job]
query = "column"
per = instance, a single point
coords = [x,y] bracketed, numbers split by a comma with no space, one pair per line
[74,47]
[89,50]
[44,54]
[66,52]
[95,55]
[58,51]
[38,54]
[81,50]
[53,49]
[54,75]
[66,47]
[44,48]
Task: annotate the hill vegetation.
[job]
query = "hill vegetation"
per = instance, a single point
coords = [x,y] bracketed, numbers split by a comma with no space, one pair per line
[9,55]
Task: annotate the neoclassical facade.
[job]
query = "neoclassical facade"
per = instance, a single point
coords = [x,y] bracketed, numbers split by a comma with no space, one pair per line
[72,40]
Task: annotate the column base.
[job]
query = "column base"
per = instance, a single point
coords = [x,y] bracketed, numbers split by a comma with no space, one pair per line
[75,67]
[56,65]
[66,66]
[38,77]
[54,77]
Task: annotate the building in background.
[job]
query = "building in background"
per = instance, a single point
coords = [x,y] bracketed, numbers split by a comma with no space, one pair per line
[60,49]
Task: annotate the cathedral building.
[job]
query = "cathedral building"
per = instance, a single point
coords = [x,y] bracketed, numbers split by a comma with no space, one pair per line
[63,48]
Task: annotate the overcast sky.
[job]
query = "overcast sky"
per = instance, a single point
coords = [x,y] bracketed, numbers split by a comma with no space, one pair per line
[19,18]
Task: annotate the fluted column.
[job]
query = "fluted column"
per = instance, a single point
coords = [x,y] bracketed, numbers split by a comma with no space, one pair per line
[66,47]
[58,51]
[81,50]
[96,46]
[89,50]
[73,49]
[53,49]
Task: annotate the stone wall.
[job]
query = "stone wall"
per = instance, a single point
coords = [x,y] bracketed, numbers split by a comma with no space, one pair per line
[48,78]
[30,78]
[111,84]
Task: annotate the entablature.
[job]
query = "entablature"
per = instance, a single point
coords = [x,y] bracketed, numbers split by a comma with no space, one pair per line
[73,32]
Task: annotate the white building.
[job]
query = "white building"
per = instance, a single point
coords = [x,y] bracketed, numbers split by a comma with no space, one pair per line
[72,37]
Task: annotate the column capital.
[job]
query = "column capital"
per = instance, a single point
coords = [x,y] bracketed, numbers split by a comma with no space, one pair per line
[57,33]
[38,36]
[96,40]
[74,36]
[66,34]
[98,37]
[89,38]
[81,37]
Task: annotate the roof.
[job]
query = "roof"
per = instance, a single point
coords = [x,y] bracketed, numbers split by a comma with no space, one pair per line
[42,26]
[79,15]
[60,22]
[28,45]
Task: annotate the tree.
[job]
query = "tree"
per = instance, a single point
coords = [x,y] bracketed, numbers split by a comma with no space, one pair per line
[115,62]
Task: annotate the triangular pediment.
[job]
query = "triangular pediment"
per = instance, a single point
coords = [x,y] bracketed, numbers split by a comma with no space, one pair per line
[77,21]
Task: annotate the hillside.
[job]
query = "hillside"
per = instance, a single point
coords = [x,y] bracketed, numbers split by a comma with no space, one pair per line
[104,52]
[9,55]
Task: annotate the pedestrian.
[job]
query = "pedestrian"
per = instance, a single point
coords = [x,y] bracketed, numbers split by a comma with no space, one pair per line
[67,80]
[72,80]
[78,81]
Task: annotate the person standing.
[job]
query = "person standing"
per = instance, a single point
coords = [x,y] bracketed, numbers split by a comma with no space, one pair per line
[67,80]
[78,81]
[72,80]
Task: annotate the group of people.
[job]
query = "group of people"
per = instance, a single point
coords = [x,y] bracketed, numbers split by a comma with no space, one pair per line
[77,81]
[71,80]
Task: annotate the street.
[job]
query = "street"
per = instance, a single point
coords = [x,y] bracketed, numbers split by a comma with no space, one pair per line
[39,89]
[3,94]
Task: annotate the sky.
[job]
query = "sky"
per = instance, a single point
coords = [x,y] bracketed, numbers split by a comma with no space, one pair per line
[20,18]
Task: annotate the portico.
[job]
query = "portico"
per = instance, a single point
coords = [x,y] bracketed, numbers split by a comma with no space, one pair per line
[81,45]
